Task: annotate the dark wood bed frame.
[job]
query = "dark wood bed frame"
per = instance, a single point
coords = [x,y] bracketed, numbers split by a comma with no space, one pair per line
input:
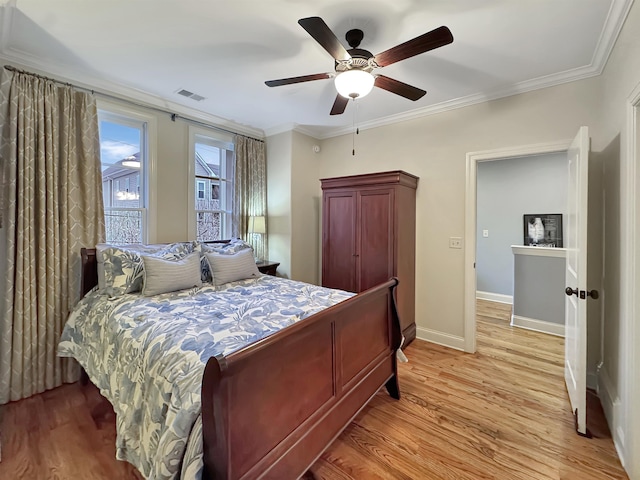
[270,409]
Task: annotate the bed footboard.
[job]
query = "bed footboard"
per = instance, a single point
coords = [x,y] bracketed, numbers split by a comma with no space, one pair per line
[270,409]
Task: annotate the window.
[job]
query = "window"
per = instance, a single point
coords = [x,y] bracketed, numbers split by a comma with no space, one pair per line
[213,169]
[200,190]
[123,154]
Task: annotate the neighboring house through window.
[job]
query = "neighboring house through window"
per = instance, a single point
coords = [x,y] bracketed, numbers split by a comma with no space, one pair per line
[213,185]
[123,153]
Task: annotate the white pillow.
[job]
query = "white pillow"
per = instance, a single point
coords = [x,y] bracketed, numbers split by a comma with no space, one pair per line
[162,276]
[229,268]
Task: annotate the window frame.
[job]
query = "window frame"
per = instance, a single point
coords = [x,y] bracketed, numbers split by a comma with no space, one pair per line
[220,140]
[147,178]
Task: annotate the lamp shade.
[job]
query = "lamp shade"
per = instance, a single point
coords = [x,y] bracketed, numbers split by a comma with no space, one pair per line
[354,83]
[257,225]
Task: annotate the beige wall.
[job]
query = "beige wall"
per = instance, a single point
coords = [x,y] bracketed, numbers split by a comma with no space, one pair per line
[434,148]
[279,200]
[305,210]
[172,185]
[293,199]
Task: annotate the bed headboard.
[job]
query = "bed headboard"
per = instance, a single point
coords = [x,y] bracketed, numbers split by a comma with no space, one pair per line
[89,269]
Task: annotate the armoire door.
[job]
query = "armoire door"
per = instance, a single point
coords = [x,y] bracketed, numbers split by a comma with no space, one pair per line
[339,241]
[375,237]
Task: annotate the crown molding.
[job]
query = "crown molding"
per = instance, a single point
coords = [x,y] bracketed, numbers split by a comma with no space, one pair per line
[522,87]
[611,29]
[286,127]
[116,91]
[612,26]
[309,132]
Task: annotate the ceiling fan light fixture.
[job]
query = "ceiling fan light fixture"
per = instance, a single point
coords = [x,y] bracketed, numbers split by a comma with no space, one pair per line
[354,83]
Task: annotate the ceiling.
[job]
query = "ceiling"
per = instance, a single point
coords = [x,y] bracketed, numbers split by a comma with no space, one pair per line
[224,51]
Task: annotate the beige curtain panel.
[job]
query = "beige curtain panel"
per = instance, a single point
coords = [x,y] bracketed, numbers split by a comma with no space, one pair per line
[52,206]
[250,192]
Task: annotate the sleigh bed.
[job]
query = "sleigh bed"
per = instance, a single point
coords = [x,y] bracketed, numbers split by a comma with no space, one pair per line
[269,409]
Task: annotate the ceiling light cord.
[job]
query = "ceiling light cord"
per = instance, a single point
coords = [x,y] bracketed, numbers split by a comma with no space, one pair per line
[356,130]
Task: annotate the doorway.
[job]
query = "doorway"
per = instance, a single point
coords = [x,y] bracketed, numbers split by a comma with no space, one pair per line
[473,160]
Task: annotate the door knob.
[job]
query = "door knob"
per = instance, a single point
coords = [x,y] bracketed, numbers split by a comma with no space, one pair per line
[583,294]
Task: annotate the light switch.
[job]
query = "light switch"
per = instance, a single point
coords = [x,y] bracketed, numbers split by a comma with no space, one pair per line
[485,233]
[455,242]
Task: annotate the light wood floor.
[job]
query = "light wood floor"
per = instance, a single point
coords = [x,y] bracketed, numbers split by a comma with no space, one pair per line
[502,413]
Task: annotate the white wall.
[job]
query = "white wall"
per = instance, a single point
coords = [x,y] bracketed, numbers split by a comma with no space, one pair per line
[621,76]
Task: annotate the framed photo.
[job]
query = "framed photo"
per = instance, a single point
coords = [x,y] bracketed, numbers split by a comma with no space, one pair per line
[543,230]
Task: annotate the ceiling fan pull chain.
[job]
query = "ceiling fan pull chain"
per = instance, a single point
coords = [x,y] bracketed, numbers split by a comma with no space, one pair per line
[356,130]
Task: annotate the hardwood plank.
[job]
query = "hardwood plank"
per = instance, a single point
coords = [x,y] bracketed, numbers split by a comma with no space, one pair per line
[502,413]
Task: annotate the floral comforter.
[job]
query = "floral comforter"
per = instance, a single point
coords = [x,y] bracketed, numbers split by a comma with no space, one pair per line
[147,356]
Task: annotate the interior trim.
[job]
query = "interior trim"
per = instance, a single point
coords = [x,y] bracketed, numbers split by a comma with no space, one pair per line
[630,301]
[473,158]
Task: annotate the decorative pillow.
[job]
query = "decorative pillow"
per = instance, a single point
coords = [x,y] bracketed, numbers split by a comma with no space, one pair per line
[162,276]
[229,268]
[124,270]
[233,246]
[132,247]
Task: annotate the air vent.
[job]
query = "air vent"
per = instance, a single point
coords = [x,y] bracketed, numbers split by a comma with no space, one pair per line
[191,95]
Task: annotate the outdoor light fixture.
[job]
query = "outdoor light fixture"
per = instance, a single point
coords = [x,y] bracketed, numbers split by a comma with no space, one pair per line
[354,83]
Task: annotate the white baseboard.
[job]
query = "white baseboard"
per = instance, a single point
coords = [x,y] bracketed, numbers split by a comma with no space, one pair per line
[592,381]
[537,325]
[494,297]
[611,405]
[445,339]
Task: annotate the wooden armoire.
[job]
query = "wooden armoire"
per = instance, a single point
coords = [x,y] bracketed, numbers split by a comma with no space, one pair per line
[369,236]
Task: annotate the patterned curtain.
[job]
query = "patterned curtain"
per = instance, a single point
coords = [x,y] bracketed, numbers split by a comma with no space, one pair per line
[52,206]
[250,192]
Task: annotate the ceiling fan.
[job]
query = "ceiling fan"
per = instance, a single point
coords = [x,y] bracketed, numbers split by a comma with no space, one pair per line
[353,68]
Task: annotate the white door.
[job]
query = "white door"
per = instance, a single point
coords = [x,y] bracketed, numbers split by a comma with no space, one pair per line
[575,357]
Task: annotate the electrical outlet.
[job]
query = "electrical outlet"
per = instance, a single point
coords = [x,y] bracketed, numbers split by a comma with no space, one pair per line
[455,242]
[485,233]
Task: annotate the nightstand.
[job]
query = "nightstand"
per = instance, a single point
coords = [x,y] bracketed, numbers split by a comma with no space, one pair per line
[267,266]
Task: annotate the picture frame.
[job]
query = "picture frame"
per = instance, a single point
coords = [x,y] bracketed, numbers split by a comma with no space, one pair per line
[543,230]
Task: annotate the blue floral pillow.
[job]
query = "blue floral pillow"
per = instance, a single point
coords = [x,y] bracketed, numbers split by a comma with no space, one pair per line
[234,246]
[124,269]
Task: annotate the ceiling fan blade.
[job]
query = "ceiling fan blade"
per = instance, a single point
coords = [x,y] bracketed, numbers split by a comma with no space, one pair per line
[322,34]
[339,105]
[435,38]
[304,78]
[399,88]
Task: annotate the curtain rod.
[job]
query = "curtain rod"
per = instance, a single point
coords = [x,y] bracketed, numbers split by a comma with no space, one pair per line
[174,116]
